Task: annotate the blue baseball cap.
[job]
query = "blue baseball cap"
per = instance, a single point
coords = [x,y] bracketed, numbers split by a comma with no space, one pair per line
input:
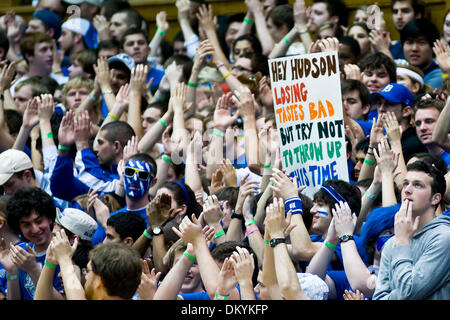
[396,93]
[50,19]
[85,28]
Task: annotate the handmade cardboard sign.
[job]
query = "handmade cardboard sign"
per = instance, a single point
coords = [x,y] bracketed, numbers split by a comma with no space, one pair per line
[307,99]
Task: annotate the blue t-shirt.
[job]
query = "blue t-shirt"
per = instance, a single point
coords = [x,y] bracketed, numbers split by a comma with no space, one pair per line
[3,281]
[27,287]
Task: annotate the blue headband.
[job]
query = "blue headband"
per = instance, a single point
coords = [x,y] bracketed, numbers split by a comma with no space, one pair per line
[184,190]
[336,196]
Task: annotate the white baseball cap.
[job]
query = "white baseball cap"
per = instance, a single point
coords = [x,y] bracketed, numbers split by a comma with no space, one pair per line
[13,161]
[77,221]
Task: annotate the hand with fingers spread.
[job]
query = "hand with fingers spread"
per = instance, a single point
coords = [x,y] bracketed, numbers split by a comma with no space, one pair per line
[61,248]
[244,101]
[283,186]
[7,75]
[329,45]
[23,259]
[442,52]
[101,24]
[265,92]
[344,220]
[212,213]
[149,282]
[244,266]
[190,231]
[103,74]
[223,119]
[387,159]
[205,17]
[405,225]
[227,279]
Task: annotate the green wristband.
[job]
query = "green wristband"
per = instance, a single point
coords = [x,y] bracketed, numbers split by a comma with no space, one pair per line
[148,236]
[218,133]
[330,245]
[268,166]
[14,277]
[248,21]
[159,31]
[162,122]
[192,84]
[249,222]
[193,259]
[286,40]
[64,148]
[267,242]
[50,265]
[370,195]
[369,162]
[48,136]
[166,159]
[219,233]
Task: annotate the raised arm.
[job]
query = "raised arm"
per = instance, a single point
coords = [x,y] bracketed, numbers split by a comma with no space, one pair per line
[137,88]
[104,80]
[394,135]
[257,9]
[30,120]
[161,28]
[387,161]
[441,131]
[276,224]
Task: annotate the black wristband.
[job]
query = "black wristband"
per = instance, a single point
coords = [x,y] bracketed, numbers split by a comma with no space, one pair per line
[236,215]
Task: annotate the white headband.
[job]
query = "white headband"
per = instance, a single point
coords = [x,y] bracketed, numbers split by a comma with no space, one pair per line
[411,74]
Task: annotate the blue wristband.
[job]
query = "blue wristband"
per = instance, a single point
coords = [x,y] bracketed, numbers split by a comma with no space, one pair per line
[294,204]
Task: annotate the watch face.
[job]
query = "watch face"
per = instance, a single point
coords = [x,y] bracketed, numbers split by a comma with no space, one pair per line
[157,231]
[344,237]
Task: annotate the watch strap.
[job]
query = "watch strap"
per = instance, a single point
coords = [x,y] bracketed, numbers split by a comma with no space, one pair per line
[276,241]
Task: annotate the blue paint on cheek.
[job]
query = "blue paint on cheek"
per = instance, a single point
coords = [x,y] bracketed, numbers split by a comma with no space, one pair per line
[322,213]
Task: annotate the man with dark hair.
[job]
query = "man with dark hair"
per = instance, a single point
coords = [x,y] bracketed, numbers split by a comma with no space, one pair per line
[45,21]
[417,38]
[134,42]
[124,227]
[108,48]
[327,10]
[403,11]
[397,98]
[426,114]
[377,70]
[30,213]
[414,262]
[124,20]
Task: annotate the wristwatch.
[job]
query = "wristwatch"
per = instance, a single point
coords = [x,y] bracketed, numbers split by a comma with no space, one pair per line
[236,215]
[276,241]
[156,231]
[345,238]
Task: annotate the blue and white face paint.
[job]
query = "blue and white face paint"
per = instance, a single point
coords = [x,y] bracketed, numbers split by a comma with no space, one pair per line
[137,178]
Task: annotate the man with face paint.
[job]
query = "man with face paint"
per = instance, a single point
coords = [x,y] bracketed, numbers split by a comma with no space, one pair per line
[139,176]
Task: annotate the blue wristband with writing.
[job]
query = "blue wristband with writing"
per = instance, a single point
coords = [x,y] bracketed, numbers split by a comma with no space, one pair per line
[294,204]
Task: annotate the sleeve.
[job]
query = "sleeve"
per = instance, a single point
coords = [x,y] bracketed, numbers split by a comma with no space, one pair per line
[91,173]
[191,45]
[50,154]
[63,184]
[420,279]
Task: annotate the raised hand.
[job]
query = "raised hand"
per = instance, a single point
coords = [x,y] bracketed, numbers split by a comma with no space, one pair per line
[393,129]
[387,159]
[138,78]
[223,118]
[149,282]
[344,220]
[23,259]
[66,132]
[103,74]
[243,264]
[61,247]
[190,230]
[46,107]
[277,224]
[97,209]
[5,258]
[442,52]
[161,21]
[130,149]
[245,101]
[30,115]
[212,213]
[283,186]
[159,210]
[123,98]
[82,129]
[7,75]
[229,173]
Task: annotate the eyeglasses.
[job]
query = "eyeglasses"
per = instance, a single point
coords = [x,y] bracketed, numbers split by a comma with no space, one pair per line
[130,172]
